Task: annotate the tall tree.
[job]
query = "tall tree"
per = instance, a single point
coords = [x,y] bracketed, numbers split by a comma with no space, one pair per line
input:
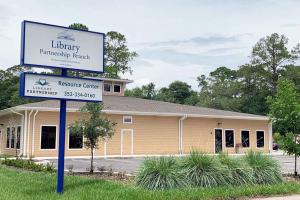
[117,55]
[292,72]
[285,114]
[220,90]
[253,88]
[79,26]
[147,91]
[94,129]
[177,92]
[9,87]
[271,53]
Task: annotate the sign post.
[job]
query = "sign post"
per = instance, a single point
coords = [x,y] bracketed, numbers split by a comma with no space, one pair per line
[61,150]
[51,46]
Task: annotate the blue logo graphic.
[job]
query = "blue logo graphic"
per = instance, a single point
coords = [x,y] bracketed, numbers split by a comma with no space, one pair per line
[42,82]
[65,35]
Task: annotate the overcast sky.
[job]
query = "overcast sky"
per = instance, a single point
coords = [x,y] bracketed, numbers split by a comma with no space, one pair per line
[175,40]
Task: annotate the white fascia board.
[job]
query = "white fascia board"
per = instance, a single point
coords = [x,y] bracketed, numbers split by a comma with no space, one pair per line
[260,118]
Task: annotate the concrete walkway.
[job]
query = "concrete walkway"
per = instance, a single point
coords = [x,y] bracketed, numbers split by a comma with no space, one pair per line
[293,197]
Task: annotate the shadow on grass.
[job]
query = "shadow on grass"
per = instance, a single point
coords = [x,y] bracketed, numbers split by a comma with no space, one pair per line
[69,186]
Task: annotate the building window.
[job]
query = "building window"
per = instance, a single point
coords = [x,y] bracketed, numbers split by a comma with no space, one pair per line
[48,137]
[7,137]
[260,139]
[18,137]
[12,138]
[127,119]
[229,138]
[107,87]
[245,135]
[75,141]
[117,88]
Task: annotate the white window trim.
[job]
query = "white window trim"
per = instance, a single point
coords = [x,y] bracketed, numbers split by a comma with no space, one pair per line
[9,141]
[214,137]
[110,86]
[256,139]
[20,135]
[56,139]
[127,116]
[132,136]
[68,143]
[120,88]
[10,137]
[234,139]
[249,138]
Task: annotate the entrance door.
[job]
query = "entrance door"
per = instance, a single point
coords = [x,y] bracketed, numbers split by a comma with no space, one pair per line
[126,142]
[218,140]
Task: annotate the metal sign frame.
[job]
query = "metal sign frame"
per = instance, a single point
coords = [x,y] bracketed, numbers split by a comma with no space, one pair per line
[22,87]
[63,102]
[22,56]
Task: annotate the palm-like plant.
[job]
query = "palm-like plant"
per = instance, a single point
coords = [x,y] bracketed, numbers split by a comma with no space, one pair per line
[160,173]
[204,170]
[265,169]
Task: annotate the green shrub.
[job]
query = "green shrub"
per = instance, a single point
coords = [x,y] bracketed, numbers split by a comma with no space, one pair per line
[204,170]
[28,164]
[160,173]
[265,169]
[241,172]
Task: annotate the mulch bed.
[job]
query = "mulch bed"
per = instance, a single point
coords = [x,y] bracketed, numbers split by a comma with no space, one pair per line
[107,175]
[291,177]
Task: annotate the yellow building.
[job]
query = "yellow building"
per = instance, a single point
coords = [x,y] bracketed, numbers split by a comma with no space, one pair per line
[144,127]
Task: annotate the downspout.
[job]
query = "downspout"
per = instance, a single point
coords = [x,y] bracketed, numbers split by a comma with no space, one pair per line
[27,134]
[33,133]
[24,130]
[22,137]
[180,133]
[270,137]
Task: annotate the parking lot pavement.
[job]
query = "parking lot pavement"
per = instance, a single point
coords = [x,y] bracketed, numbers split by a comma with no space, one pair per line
[287,163]
[130,165]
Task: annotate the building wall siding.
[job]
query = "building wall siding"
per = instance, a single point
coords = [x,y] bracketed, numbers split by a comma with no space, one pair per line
[198,133]
[148,134]
[8,121]
[151,135]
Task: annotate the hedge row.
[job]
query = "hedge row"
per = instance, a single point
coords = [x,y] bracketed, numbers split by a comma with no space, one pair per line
[28,164]
[202,170]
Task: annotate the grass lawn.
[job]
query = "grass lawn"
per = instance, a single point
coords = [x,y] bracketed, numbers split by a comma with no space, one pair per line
[32,185]
[5,156]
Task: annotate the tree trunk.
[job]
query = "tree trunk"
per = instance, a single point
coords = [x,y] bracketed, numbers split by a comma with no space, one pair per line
[92,161]
[295,170]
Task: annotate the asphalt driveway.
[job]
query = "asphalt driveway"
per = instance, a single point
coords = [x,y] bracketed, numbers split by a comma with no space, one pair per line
[130,165]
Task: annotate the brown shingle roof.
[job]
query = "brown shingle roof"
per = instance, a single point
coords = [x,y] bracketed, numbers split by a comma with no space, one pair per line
[131,105]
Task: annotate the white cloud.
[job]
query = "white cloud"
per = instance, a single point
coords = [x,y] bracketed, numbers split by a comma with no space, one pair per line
[175,39]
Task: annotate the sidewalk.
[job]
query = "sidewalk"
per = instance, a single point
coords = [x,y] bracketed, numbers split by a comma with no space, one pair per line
[293,197]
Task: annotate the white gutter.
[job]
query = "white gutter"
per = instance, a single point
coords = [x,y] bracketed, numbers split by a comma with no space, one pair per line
[270,137]
[27,134]
[24,130]
[33,133]
[262,118]
[22,135]
[180,133]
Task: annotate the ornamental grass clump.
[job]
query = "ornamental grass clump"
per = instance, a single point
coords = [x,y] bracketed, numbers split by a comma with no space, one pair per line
[265,169]
[240,172]
[160,173]
[204,171]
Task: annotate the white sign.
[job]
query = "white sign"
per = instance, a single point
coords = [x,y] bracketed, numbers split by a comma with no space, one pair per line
[56,87]
[45,45]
